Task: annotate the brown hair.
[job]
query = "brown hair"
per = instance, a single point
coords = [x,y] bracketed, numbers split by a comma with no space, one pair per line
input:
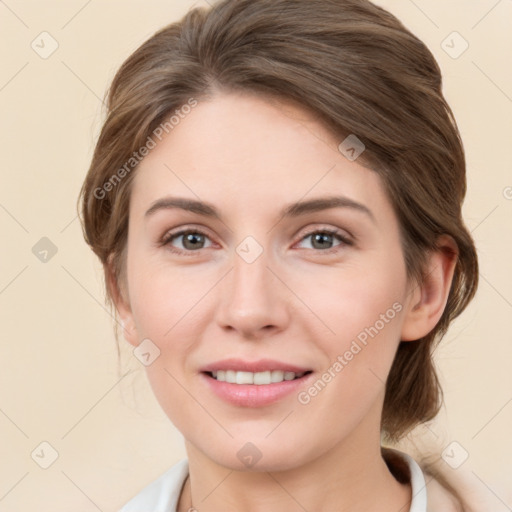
[362,72]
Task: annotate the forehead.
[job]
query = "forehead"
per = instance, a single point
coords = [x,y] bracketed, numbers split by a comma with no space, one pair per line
[253,152]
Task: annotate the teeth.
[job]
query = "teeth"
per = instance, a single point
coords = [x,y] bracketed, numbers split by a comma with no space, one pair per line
[258,378]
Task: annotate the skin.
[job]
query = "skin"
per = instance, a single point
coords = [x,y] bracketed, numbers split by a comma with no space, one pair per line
[250,157]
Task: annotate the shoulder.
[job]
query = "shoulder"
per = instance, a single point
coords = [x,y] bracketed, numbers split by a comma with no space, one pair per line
[430,494]
[439,498]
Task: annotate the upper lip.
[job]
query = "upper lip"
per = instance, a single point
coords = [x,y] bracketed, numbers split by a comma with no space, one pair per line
[261,365]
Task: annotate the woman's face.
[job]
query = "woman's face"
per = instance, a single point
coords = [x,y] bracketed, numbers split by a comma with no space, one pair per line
[260,288]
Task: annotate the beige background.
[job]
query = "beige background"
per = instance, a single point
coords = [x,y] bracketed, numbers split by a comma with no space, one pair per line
[59,380]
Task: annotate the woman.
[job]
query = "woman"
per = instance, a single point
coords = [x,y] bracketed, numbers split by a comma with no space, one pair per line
[276,198]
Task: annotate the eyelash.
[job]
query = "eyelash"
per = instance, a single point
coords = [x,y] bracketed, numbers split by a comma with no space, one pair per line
[169,237]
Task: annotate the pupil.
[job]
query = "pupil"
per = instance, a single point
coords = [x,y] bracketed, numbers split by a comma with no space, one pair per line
[320,237]
[192,238]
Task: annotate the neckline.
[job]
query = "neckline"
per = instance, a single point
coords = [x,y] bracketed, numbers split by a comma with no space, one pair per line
[162,495]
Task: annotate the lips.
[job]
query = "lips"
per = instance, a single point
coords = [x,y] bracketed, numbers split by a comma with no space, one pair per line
[254,383]
[261,365]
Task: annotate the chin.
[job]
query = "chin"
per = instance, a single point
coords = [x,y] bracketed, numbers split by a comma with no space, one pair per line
[259,455]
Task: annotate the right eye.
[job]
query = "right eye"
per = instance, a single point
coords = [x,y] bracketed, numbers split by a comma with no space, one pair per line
[192,240]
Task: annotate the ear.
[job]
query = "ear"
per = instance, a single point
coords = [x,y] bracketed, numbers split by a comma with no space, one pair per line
[428,299]
[119,293]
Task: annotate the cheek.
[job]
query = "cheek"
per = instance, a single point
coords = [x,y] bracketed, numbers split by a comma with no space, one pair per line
[365,314]
[364,309]
[165,306]
[170,391]
[357,300]
[162,298]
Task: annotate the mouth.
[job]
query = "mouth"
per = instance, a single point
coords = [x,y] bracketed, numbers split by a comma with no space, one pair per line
[253,389]
[254,384]
[263,378]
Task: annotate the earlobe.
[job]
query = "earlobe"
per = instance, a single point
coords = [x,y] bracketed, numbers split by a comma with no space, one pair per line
[121,302]
[428,299]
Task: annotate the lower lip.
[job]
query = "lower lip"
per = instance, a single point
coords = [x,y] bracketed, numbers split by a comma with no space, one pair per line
[253,395]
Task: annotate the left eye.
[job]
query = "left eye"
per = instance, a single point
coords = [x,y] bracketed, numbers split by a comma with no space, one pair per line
[322,240]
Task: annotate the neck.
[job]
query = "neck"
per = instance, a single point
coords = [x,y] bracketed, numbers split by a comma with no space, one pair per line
[350,477]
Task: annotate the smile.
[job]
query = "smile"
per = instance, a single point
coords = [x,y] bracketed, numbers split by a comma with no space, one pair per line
[256,378]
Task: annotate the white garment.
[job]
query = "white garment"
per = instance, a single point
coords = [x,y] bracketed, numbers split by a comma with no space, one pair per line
[162,494]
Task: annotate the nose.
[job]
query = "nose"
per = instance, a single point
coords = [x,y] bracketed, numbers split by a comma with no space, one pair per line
[254,302]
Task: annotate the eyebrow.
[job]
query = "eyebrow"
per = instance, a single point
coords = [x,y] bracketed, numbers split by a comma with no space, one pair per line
[292,210]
